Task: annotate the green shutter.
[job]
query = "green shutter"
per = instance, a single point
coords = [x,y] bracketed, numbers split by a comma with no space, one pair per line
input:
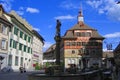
[25,37]
[16,31]
[28,49]
[25,48]
[11,42]
[20,46]
[29,39]
[31,50]
[21,34]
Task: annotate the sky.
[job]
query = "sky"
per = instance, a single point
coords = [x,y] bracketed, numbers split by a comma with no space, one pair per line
[102,15]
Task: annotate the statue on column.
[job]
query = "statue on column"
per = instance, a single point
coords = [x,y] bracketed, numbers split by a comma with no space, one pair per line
[58,28]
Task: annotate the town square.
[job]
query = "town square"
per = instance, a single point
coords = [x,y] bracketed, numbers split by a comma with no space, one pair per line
[60,40]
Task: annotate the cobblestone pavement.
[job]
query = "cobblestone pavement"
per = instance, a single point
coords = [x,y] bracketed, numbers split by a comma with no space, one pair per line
[16,75]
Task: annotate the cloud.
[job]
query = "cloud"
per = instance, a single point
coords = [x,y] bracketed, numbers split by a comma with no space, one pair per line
[69,5]
[32,10]
[65,17]
[20,12]
[95,3]
[107,7]
[113,35]
[6,4]
[37,29]
[47,45]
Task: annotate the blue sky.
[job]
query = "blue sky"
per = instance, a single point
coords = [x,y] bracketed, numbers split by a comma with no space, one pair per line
[103,15]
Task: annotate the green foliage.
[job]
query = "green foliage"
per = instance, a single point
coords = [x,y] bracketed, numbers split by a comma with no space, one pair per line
[37,67]
[47,64]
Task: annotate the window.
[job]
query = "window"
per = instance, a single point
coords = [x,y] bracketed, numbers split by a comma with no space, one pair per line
[25,48]
[4,29]
[31,50]
[28,49]
[78,34]
[16,60]
[29,39]
[16,31]
[20,46]
[21,61]
[67,43]
[88,34]
[83,43]
[14,44]
[78,43]
[83,34]
[25,37]
[73,51]
[11,42]
[10,60]
[3,44]
[73,43]
[21,34]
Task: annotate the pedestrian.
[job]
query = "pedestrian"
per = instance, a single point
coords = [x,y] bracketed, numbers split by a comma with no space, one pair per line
[21,69]
[24,70]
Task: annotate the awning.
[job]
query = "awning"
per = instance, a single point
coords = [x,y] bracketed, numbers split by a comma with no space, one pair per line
[49,60]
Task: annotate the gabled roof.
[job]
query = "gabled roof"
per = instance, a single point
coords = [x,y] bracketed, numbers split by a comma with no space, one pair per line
[95,34]
[81,27]
[70,33]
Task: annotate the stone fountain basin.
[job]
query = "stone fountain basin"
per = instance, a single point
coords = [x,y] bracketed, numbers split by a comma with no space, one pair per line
[93,75]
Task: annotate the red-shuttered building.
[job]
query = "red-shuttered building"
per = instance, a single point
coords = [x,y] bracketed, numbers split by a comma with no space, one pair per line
[82,45]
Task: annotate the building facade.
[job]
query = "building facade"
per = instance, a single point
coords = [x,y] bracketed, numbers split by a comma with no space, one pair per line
[107,56]
[82,45]
[18,41]
[5,27]
[38,42]
[49,55]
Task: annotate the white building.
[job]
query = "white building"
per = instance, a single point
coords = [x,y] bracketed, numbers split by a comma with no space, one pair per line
[38,43]
[20,43]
